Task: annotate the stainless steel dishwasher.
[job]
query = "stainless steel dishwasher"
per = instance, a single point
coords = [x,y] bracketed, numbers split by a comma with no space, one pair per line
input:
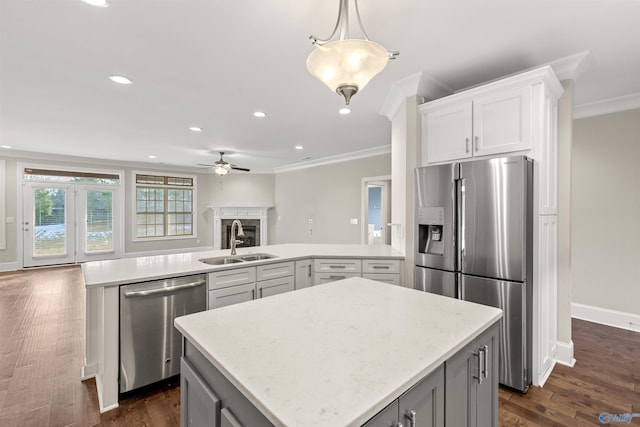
[150,346]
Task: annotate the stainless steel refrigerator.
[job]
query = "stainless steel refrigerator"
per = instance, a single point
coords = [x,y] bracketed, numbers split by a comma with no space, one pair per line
[474,242]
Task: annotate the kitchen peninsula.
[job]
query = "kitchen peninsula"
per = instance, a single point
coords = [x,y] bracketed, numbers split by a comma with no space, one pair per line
[103,280]
[349,353]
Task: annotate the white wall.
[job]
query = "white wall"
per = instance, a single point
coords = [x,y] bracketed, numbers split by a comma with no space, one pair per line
[329,195]
[605,214]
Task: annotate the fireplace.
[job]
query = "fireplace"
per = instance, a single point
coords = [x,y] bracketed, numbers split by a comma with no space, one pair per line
[251,228]
[254,224]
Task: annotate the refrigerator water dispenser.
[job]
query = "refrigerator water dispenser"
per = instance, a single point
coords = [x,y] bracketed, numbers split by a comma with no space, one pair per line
[430,223]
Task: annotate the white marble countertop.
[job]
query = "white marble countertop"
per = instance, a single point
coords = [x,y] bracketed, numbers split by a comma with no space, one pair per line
[334,354]
[130,270]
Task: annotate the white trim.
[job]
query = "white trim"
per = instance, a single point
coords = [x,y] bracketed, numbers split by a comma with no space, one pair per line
[355,155]
[134,214]
[9,266]
[564,356]
[605,316]
[607,106]
[573,66]
[384,180]
[3,192]
[418,84]
[545,375]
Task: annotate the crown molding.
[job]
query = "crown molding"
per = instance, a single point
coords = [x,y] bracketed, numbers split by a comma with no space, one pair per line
[355,155]
[573,66]
[419,84]
[607,106]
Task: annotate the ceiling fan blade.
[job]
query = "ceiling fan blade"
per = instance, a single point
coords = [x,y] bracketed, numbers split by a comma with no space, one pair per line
[202,164]
[240,169]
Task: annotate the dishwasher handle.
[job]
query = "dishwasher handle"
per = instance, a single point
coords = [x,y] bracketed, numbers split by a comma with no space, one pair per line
[164,291]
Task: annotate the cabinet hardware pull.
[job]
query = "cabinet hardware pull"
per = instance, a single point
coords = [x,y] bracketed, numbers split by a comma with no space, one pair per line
[337,277]
[477,138]
[382,267]
[485,351]
[309,273]
[466,145]
[337,266]
[412,418]
[159,291]
[482,364]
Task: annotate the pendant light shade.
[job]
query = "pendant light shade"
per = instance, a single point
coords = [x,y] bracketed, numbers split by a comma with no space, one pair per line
[346,65]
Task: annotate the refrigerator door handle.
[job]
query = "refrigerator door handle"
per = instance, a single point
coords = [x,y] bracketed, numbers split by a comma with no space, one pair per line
[461,220]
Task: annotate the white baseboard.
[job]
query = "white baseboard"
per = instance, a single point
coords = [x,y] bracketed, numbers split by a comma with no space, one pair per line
[9,266]
[89,371]
[604,316]
[564,354]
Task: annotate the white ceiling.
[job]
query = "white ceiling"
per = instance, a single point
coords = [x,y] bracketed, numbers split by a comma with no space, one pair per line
[213,63]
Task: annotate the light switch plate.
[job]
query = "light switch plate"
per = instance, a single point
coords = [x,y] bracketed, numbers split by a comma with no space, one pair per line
[354,221]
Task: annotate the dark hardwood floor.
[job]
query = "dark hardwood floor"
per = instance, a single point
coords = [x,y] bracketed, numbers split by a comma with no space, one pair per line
[42,351]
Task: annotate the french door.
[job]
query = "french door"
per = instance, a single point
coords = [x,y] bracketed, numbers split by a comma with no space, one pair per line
[69,222]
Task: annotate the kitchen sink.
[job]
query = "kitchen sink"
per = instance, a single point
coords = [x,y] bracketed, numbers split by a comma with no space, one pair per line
[221,260]
[256,257]
[234,259]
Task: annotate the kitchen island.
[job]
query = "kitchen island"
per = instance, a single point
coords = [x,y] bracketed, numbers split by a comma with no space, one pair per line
[104,278]
[348,353]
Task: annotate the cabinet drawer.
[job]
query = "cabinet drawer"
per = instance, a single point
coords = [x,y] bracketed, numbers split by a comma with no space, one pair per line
[393,279]
[273,271]
[226,278]
[280,285]
[232,295]
[337,265]
[320,278]
[380,266]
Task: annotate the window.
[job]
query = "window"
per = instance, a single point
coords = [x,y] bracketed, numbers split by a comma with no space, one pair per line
[164,206]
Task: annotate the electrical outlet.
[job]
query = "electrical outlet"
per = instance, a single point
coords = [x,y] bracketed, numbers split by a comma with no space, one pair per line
[354,221]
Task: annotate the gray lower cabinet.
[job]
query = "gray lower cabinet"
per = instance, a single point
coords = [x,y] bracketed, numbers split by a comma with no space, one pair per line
[422,405]
[472,383]
[462,392]
[304,278]
[199,406]
[231,295]
[267,288]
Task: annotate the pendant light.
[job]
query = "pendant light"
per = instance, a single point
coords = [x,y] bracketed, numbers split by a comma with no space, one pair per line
[346,65]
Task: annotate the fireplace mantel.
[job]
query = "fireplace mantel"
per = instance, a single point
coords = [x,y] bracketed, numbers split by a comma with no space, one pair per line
[220,213]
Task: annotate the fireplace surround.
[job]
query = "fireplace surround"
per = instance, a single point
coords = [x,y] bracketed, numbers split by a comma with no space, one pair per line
[254,223]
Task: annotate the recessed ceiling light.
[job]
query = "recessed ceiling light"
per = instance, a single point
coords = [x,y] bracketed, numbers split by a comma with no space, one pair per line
[195,129]
[5,146]
[259,114]
[121,79]
[99,3]
[152,157]
[299,147]
[344,111]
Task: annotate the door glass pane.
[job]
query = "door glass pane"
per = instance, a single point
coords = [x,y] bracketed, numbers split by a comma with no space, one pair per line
[374,217]
[50,237]
[99,220]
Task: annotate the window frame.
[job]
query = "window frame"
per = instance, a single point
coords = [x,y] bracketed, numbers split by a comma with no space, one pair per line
[134,204]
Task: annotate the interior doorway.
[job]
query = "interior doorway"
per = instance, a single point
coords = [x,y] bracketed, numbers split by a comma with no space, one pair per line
[376,210]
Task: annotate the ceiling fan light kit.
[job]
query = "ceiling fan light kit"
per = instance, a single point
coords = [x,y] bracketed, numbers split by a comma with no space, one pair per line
[346,65]
[222,167]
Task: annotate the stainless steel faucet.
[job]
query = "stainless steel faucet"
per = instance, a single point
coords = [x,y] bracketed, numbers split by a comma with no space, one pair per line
[233,239]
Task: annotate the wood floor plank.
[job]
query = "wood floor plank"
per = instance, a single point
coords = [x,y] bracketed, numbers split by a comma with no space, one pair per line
[42,331]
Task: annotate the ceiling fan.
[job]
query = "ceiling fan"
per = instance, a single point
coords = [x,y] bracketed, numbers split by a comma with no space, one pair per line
[222,167]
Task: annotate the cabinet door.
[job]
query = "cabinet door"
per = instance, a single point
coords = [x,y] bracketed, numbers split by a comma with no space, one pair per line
[423,404]
[337,265]
[303,274]
[233,295]
[447,132]
[274,286]
[502,121]
[199,406]
[487,389]
[273,271]
[232,277]
[321,278]
[392,279]
[388,417]
[460,390]
[227,419]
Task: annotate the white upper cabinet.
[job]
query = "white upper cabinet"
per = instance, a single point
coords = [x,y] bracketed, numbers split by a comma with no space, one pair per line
[496,118]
